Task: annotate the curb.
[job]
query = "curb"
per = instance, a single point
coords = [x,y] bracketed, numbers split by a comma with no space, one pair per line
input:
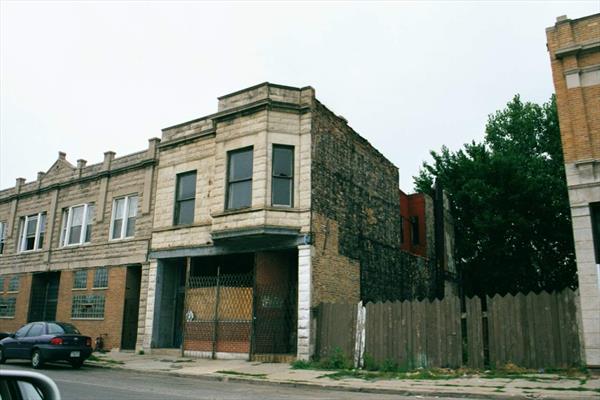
[214,377]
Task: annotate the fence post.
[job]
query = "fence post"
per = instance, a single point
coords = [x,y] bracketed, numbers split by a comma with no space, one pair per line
[359,342]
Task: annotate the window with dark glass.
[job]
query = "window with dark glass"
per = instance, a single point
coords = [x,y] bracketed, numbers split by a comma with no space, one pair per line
[401,230]
[595,213]
[185,198]
[13,284]
[77,225]
[33,229]
[80,279]
[101,277]
[282,186]
[414,230]
[123,217]
[7,306]
[239,179]
[2,236]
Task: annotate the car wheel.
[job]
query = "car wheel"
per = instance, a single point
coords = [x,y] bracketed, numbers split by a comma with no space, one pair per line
[76,364]
[2,358]
[37,361]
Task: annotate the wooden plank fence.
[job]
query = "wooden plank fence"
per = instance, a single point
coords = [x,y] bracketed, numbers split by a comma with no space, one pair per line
[337,329]
[534,331]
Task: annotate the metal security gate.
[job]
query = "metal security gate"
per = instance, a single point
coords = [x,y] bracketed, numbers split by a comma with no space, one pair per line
[218,313]
[275,296]
[243,304]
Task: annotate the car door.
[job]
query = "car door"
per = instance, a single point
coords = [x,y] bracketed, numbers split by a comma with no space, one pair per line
[32,337]
[12,346]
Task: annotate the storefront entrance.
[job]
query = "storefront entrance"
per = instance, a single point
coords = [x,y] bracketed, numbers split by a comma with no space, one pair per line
[235,306]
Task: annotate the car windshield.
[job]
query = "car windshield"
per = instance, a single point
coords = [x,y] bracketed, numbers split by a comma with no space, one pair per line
[54,328]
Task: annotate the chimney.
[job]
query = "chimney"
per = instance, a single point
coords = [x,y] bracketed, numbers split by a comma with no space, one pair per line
[62,155]
[109,156]
[81,163]
[20,182]
[153,146]
[40,175]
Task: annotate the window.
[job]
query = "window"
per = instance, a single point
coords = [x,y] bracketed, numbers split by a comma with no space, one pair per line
[88,307]
[22,330]
[185,198]
[401,230]
[123,217]
[77,225]
[80,279]
[33,228]
[2,236]
[414,230]
[7,307]
[101,278]
[1,284]
[595,213]
[239,179]
[36,330]
[13,284]
[282,185]
[61,329]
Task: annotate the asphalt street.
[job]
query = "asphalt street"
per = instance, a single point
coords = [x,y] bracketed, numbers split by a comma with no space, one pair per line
[110,384]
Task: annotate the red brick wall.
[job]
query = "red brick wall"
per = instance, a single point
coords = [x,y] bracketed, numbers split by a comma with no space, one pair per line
[112,322]
[413,205]
[22,303]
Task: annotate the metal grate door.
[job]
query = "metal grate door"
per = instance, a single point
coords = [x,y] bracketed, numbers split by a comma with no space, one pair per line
[218,313]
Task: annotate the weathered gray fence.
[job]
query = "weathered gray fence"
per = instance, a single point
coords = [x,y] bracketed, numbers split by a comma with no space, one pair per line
[415,334]
[337,329]
[534,330]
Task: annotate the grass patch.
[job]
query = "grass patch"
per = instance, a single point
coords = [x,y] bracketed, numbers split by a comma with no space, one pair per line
[261,376]
[336,361]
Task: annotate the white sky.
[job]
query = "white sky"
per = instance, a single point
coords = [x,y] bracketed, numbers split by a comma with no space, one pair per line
[86,77]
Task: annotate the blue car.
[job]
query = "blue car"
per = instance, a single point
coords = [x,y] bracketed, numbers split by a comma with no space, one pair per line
[46,341]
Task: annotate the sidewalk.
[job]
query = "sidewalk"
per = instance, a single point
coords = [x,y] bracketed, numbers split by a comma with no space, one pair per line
[534,386]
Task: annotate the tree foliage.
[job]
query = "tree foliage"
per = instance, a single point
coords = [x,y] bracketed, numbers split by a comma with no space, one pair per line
[509,201]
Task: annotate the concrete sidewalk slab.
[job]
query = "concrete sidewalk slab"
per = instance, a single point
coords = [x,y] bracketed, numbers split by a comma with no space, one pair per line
[538,386]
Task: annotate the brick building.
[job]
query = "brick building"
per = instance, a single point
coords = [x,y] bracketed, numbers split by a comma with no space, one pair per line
[229,230]
[263,210]
[73,245]
[574,47]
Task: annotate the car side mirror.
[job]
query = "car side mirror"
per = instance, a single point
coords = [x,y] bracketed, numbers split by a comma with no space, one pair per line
[12,335]
[29,385]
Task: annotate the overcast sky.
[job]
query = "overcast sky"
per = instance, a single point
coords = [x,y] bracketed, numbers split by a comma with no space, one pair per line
[87,77]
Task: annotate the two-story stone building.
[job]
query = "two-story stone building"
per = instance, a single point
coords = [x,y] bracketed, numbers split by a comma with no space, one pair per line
[224,235]
[73,245]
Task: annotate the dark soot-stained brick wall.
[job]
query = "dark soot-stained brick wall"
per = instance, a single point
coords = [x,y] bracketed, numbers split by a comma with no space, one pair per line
[355,185]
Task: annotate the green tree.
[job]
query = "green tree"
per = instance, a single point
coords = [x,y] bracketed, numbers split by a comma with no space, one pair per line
[509,199]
